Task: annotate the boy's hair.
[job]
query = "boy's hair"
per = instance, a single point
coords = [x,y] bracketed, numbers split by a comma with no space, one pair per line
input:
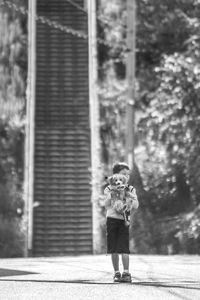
[119,166]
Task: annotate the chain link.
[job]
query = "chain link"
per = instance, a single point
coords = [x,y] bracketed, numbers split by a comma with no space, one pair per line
[20,9]
[104,22]
[45,20]
[58,26]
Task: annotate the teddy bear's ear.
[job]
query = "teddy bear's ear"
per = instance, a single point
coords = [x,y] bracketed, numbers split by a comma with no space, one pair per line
[125,179]
[109,179]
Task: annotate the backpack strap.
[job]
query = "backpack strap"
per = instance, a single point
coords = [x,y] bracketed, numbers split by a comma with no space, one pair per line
[129,188]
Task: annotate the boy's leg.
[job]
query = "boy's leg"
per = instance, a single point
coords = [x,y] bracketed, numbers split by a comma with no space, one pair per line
[115,261]
[112,230]
[126,276]
[124,247]
[125,261]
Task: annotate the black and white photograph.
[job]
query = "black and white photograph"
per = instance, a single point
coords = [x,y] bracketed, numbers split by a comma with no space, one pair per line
[99,149]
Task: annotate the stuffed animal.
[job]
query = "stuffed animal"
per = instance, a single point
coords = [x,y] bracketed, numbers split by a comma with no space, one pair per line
[120,195]
[118,182]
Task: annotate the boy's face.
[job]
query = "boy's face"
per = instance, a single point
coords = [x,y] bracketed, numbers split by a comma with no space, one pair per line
[126,173]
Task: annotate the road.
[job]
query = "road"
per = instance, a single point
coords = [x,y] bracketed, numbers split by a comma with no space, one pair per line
[90,278]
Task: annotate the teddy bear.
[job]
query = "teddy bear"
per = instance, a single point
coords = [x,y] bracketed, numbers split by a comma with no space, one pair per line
[120,195]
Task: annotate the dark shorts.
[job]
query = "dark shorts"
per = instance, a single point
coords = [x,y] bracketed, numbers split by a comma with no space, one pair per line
[117,236]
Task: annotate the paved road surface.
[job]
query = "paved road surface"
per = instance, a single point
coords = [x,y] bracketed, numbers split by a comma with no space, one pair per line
[90,278]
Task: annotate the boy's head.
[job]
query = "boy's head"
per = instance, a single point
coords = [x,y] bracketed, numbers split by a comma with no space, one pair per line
[121,168]
[118,167]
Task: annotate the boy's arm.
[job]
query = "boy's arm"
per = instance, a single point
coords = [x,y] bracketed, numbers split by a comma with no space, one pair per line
[107,195]
[133,198]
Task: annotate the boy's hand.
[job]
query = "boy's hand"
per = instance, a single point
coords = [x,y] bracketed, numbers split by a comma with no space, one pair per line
[132,199]
[107,197]
[121,187]
[109,194]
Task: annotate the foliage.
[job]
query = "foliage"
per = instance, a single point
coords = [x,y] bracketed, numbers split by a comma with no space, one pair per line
[13,58]
[167,107]
[11,238]
[169,110]
[144,239]
[112,112]
[167,114]
[172,113]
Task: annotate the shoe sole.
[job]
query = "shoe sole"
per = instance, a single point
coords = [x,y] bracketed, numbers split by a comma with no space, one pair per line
[125,281]
[117,280]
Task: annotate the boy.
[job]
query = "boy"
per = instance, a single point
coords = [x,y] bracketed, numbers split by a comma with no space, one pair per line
[117,231]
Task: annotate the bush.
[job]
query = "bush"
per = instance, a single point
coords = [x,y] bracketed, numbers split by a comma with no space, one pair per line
[11,238]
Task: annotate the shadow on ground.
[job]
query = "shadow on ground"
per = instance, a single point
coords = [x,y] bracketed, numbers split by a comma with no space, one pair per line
[9,272]
[189,285]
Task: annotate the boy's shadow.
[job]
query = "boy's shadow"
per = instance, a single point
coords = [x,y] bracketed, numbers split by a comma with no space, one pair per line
[187,285]
[190,285]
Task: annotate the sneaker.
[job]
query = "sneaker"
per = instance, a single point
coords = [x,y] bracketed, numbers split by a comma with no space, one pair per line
[117,277]
[126,277]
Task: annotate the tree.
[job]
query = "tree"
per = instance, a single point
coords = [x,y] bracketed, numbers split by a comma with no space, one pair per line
[167,101]
[13,60]
[171,114]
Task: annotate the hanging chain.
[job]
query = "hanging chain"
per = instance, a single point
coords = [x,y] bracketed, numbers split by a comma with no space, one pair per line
[103,21]
[45,20]
[56,25]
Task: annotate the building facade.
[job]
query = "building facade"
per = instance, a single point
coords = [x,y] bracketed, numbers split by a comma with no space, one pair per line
[62,133]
